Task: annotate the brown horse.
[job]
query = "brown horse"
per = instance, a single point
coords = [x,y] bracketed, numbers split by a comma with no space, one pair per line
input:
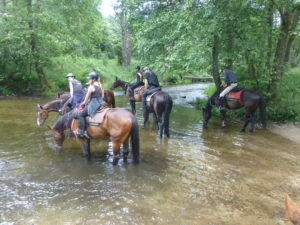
[292,210]
[44,110]
[56,105]
[119,124]
[160,105]
[250,100]
[109,97]
[137,96]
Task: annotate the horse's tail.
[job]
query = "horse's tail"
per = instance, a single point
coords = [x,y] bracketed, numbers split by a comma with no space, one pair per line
[167,111]
[263,112]
[135,140]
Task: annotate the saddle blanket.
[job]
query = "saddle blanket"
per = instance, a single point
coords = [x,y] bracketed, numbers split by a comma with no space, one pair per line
[235,95]
[148,98]
[138,89]
[98,118]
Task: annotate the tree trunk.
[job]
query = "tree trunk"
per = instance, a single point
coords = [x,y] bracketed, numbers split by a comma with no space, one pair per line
[270,9]
[34,51]
[281,49]
[126,47]
[215,60]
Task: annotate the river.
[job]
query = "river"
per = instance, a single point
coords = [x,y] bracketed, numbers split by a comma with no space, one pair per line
[213,176]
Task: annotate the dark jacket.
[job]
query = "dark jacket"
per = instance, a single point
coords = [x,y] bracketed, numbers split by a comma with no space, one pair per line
[152,79]
[230,77]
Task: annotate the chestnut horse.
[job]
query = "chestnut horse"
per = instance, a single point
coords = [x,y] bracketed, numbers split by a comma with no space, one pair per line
[250,100]
[119,124]
[160,105]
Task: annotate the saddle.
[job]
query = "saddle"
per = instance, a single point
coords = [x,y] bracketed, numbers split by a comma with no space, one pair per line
[235,93]
[148,98]
[99,117]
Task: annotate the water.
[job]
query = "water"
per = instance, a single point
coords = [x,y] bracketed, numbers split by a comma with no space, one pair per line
[197,176]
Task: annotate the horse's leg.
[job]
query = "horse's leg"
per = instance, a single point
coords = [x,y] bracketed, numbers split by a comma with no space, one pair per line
[85,144]
[155,120]
[116,151]
[247,120]
[132,104]
[125,149]
[146,117]
[160,123]
[223,115]
[252,122]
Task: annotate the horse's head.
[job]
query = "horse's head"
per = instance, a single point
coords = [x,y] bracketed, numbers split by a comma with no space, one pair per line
[118,83]
[58,136]
[42,115]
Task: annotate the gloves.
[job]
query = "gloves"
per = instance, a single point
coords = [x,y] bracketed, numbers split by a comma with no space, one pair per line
[82,106]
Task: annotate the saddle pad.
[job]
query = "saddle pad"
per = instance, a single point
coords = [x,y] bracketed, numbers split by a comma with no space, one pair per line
[138,89]
[148,98]
[235,95]
[98,118]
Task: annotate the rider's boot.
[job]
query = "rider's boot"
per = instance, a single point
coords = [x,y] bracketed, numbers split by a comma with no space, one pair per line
[131,94]
[81,132]
[223,106]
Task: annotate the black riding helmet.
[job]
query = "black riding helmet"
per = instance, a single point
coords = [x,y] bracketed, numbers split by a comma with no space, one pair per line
[225,67]
[93,75]
[138,67]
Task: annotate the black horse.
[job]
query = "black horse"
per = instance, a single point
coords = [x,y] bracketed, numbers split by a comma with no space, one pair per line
[160,105]
[250,100]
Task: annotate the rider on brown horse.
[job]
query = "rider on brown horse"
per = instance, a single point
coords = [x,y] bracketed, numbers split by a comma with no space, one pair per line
[76,92]
[139,81]
[93,100]
[231,82]
[152,86]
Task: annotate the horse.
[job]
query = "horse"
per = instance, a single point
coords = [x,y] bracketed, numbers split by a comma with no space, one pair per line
[52,106]
[57,106]
[109,97]
[250,100]
[292,210]
[160,105]
[119,124]
[137,97]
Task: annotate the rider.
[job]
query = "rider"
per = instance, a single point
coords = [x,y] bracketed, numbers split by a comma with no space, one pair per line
[152,85]
[93,100]
[231,82]
[139,80]
[76,92]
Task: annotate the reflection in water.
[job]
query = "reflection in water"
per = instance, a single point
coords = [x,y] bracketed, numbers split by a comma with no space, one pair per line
[213,176]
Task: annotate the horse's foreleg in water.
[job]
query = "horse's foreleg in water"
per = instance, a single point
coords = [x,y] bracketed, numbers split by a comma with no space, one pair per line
[116,151]
[155,119]
[85,144]
[252,122]
[247,120]
[132,104]
[125,149]
[223,115]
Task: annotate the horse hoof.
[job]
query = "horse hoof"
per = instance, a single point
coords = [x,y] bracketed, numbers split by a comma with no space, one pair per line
[115,161]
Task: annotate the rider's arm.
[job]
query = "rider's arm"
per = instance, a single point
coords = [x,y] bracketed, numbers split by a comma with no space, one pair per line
[71,88]
[90,90]
[146,83]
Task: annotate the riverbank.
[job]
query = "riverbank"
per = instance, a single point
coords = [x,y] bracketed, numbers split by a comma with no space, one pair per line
[290,131]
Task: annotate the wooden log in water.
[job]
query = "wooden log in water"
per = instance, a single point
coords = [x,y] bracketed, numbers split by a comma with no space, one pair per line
[195,79]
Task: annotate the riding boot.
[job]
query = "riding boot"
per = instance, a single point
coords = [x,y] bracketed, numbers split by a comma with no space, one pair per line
[131,93]
[223,106]
[81,132]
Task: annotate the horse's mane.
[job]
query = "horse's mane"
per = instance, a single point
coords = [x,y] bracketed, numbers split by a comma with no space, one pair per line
[64,121]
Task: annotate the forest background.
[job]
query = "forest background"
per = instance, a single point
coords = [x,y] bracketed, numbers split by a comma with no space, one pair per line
[41,41]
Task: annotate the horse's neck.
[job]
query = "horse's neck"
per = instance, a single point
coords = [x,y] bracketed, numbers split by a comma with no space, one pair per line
[53,106]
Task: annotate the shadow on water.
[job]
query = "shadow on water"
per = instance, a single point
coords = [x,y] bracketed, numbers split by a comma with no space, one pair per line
[211,176]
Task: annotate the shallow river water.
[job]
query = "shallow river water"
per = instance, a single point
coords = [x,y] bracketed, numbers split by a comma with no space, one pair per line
[212,176]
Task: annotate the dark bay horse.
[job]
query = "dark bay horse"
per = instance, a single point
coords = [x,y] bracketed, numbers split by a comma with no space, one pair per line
[125,85]
[160,105]
[119,124]
[250,100]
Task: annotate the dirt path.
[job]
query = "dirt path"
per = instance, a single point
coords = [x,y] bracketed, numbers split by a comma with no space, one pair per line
[290,131]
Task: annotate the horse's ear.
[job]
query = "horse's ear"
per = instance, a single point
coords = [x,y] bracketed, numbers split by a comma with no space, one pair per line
[39,106]
[116,78]
[50,128]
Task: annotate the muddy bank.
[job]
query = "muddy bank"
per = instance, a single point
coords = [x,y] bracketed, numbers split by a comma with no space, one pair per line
[290,131]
